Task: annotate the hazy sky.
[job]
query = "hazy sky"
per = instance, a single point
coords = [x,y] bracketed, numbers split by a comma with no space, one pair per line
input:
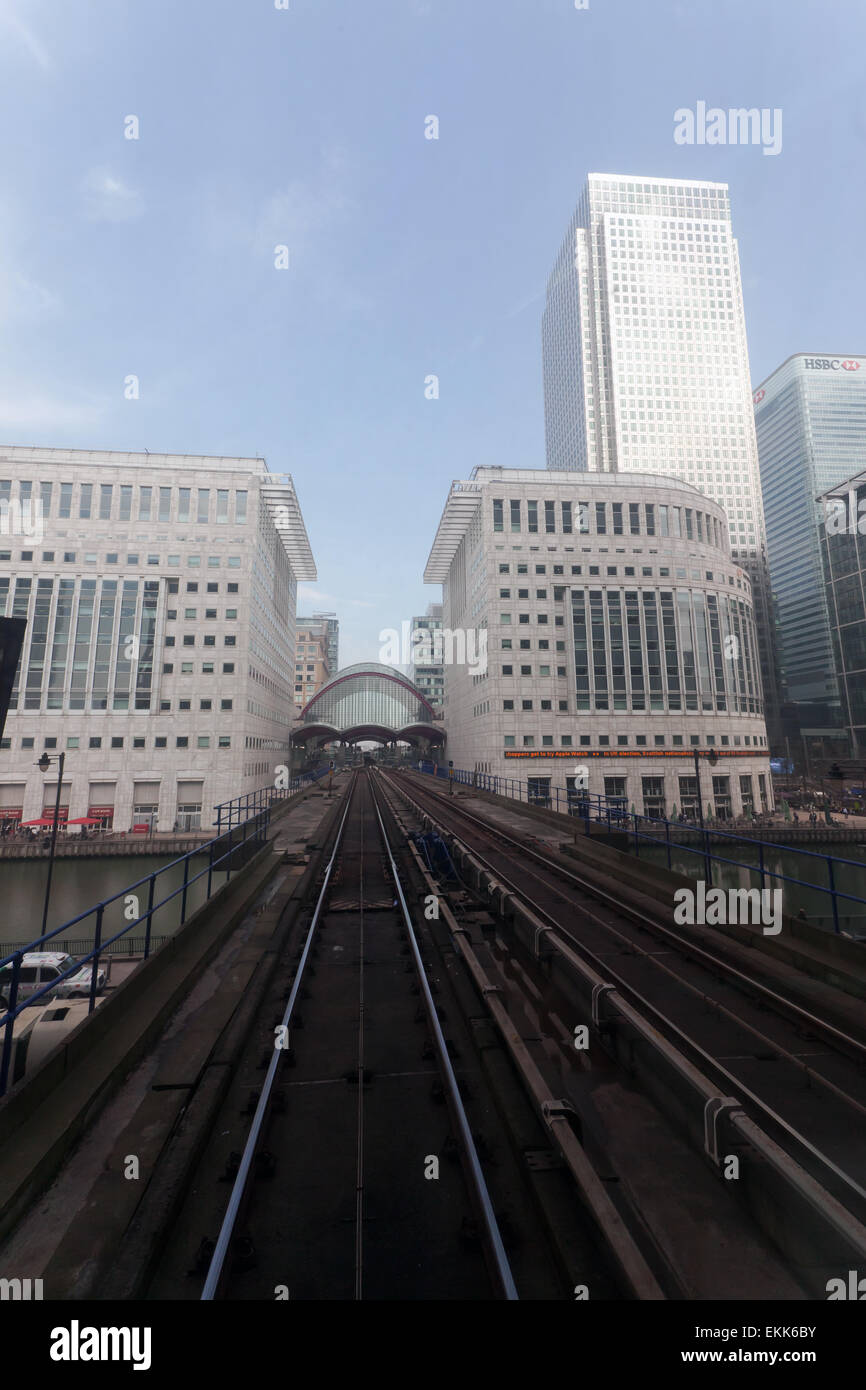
[305,127]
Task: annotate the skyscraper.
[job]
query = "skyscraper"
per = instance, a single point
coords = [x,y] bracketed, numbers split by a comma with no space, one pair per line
[810,416]
[646,365]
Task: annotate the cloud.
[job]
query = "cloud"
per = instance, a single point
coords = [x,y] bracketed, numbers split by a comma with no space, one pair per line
[22,299]
[10,20]
[309,596]
[108,199]
[20,411]
[308,215]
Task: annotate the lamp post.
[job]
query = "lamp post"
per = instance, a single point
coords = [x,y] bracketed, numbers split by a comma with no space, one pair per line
[712,758]
[44,763]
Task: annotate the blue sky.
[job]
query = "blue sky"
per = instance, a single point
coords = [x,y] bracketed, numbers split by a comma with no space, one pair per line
[408,256]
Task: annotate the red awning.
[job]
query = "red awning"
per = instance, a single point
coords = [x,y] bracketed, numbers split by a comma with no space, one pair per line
[45,820]
[84,820]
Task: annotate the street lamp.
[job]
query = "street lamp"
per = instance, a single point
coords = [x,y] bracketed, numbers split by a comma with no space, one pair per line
[712,758]
[44,763]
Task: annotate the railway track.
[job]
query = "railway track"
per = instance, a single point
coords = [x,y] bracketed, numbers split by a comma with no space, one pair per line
[787,1083]
[359,914]
[389,1152]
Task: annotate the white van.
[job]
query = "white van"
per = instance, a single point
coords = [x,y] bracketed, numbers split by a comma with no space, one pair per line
[39,968]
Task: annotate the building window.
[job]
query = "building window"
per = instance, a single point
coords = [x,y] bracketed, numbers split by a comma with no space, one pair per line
[515,514]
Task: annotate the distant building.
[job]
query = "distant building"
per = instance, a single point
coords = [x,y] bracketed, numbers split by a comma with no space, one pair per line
[325,628]
[428,671]
[312,667]
[619,637]
[159,592]
[843,556]
[810,417]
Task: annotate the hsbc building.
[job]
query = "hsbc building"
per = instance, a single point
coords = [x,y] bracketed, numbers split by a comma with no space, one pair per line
[810,420]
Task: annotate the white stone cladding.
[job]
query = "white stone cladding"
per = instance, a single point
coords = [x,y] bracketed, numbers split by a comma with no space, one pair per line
[686,581]
[225,525]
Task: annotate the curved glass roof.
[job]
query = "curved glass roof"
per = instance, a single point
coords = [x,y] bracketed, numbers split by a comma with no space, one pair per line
[365,698]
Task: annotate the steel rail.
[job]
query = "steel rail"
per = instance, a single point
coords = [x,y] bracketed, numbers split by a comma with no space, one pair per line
[815,1077]
[795,1013]
[477,1180]
[221,1249]
[625,1253]
[580,951]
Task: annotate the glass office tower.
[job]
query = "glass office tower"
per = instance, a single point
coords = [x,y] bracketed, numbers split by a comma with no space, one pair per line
[810,416]
[645,358]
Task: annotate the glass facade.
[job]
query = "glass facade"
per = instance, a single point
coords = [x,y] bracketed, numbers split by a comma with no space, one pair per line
[843,555]
[368,696]
[658,649]
[810,416]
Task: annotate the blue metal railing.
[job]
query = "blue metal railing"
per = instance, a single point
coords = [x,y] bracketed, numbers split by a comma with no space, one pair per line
[227,847]
[613,812]
[240,808]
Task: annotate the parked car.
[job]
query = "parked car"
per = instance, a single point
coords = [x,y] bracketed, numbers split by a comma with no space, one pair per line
[39,968]
[79,983]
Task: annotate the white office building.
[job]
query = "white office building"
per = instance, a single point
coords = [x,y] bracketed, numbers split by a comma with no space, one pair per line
[620,637]
[646,365]
[160,596]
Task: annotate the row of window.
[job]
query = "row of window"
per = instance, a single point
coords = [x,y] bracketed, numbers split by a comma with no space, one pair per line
[622,740]
[187,668]
[117,502]
[208,640]
[73,742]
[209,614]
[91,557]
[608,518]
[629,571]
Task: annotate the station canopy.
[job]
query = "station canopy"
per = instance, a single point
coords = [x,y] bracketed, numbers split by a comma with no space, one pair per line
[368,702]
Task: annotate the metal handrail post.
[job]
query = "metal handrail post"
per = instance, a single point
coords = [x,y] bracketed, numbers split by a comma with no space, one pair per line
[97,942]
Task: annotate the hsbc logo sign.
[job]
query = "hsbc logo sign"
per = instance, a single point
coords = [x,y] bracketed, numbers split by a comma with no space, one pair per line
[827,364]
[758,397]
